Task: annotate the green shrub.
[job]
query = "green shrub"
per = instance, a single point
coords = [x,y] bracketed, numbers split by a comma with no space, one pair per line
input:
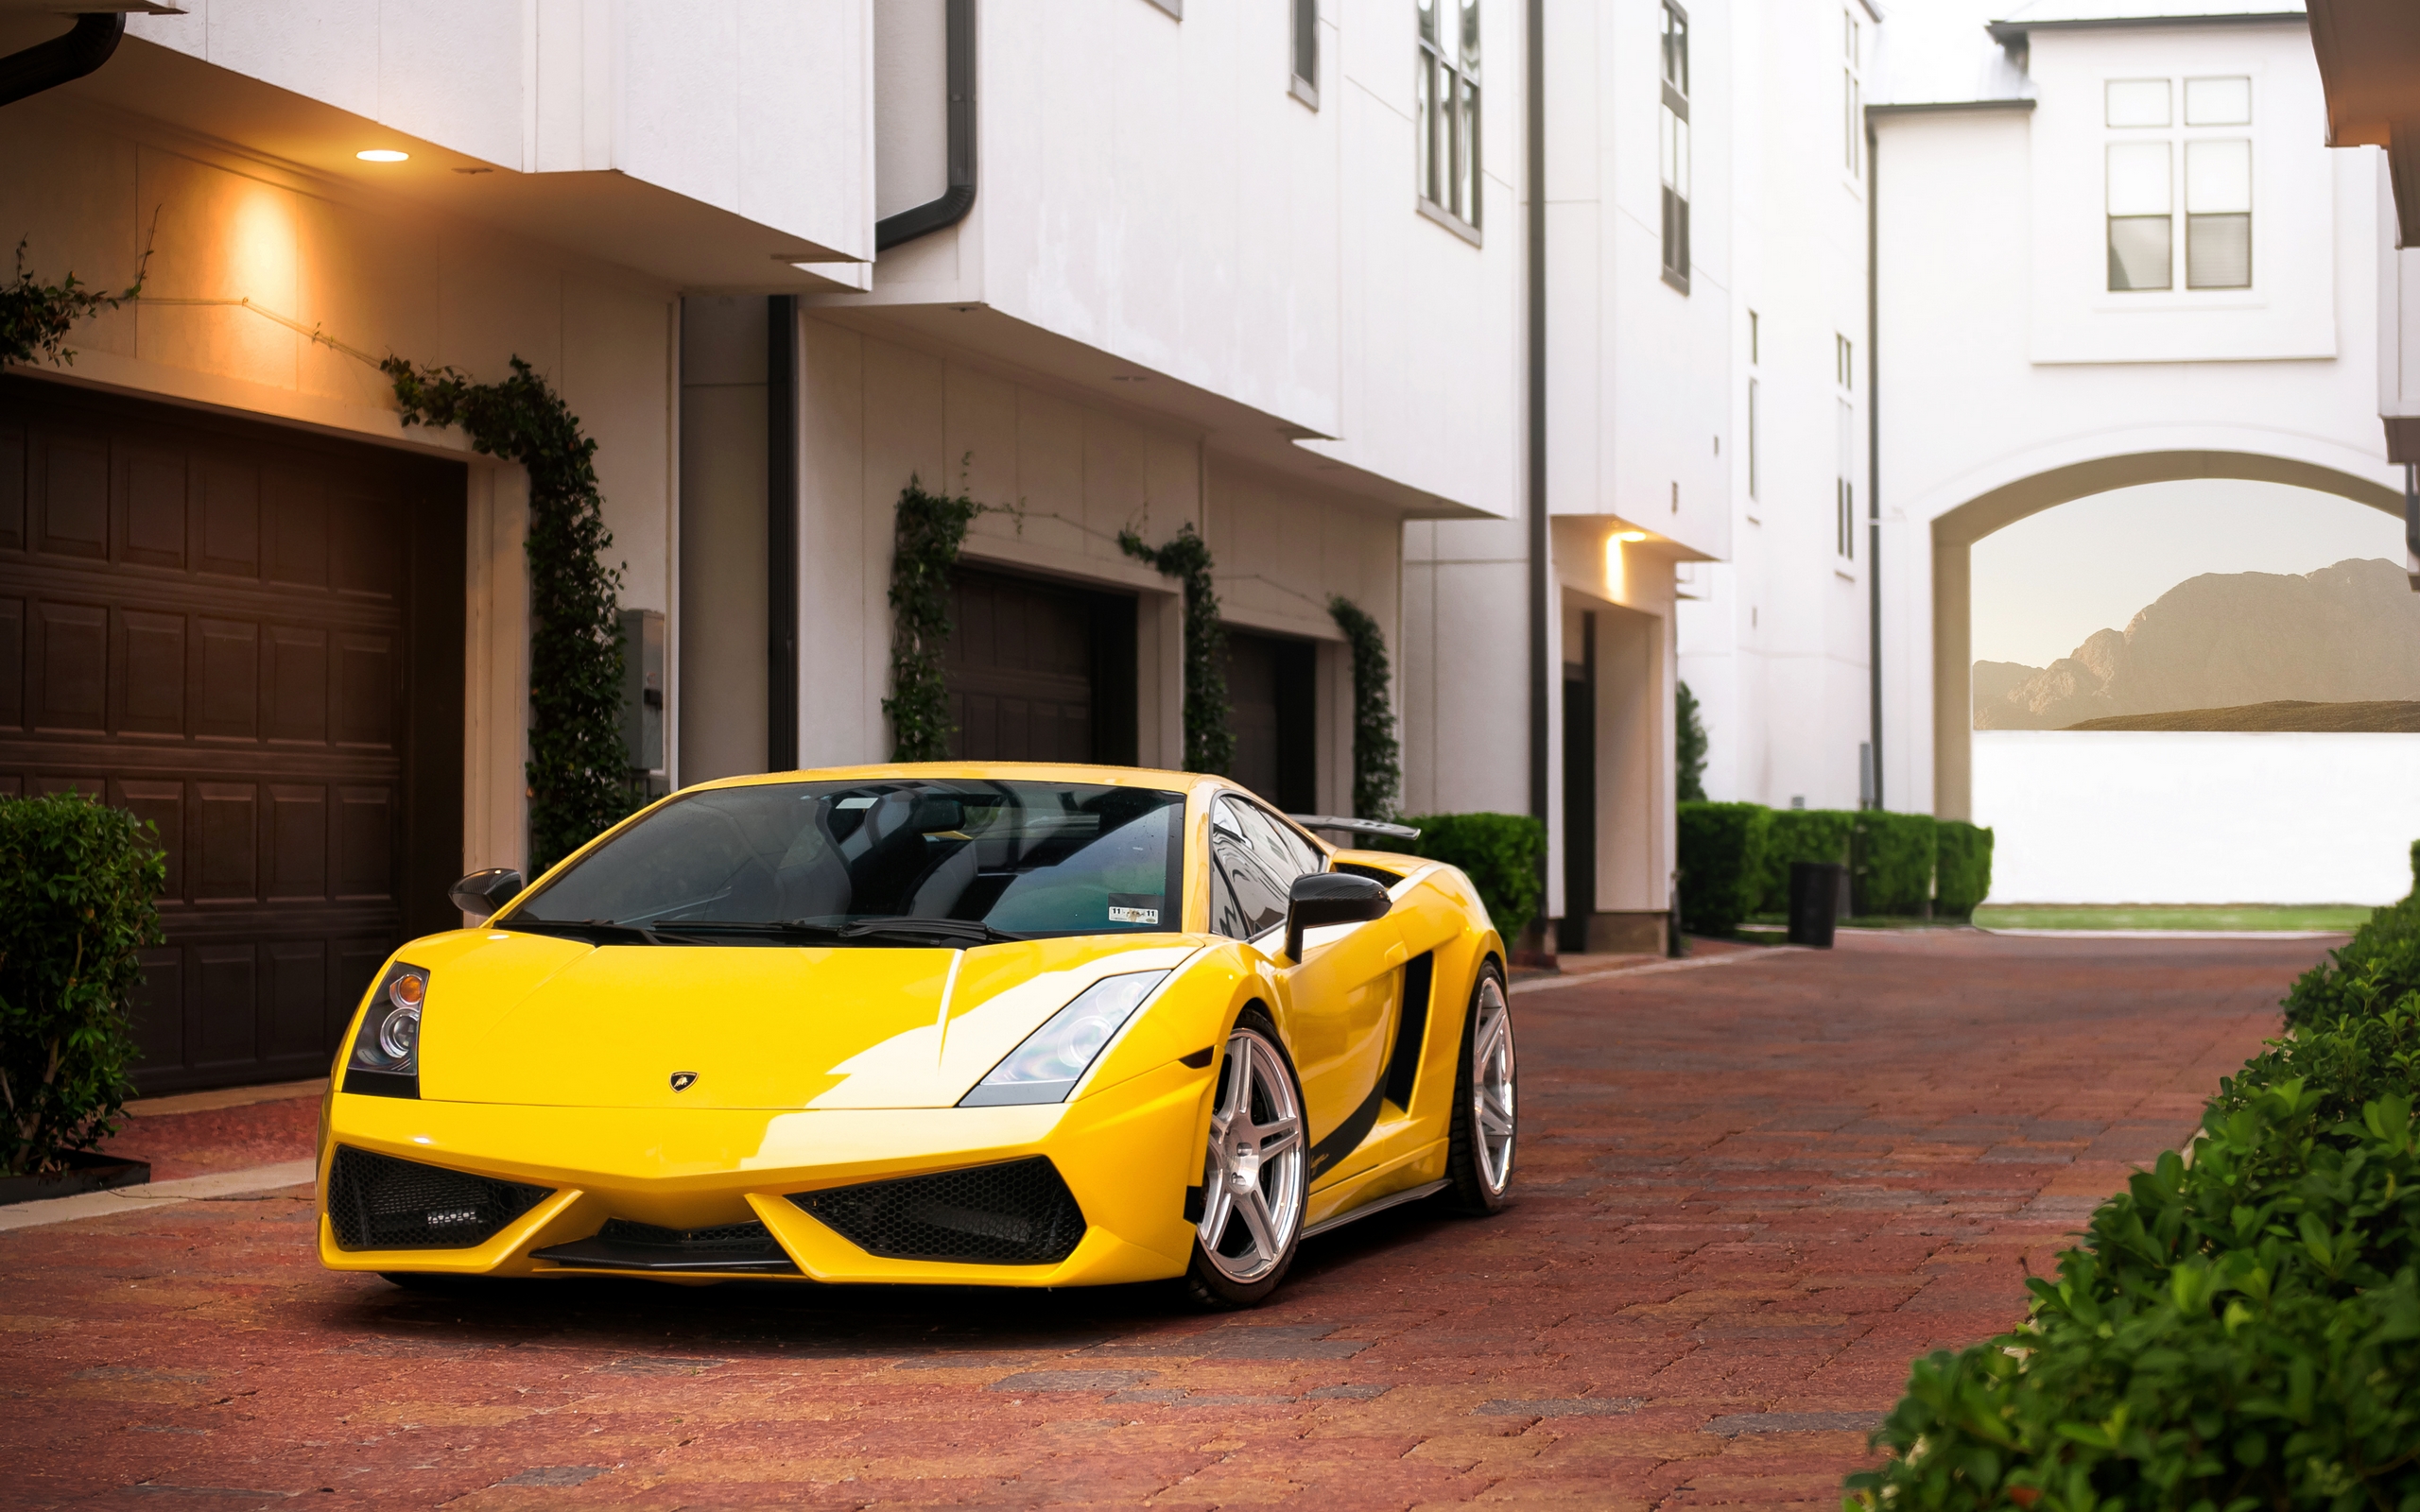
[1962,867]
[1503,854]
[2377,966]
[1722,856]
[76,887]
[1893,859]
[2240,1332]
[1800,834]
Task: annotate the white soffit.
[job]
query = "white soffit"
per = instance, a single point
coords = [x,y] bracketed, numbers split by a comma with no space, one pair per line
[607,216]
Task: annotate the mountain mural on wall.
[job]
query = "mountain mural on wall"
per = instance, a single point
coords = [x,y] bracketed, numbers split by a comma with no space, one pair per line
[2216,646]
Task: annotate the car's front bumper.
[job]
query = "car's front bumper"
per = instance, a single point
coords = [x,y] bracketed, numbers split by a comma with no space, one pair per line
[1126,1154]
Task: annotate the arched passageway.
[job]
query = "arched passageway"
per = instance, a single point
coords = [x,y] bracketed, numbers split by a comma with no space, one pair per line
[1954,535]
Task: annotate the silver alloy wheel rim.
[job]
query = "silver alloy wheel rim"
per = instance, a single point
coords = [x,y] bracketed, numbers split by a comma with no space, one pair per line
[1492,1116]
[1252,1198]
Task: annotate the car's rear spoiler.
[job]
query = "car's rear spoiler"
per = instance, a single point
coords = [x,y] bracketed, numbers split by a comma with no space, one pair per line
[1377,826]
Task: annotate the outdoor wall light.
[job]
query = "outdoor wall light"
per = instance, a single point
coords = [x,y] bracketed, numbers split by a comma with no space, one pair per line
[383,155]
[1630,535]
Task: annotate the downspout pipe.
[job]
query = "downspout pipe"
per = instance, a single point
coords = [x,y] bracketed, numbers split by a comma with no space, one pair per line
[2412,519]
[1874,454]
[955,202]
[63,59]
[1534,171]
[781,533]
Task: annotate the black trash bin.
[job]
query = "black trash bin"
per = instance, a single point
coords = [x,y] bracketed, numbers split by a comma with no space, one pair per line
[1814,901]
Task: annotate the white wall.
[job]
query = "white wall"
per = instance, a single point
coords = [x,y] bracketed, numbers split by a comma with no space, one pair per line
[1972,399]
[764,111]
[1774,643]
[2153,816]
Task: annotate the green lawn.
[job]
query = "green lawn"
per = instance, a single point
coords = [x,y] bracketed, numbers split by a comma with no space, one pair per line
[2190,915]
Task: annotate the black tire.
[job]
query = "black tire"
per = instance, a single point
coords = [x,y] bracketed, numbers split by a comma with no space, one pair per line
[1233,1268]
[1479,1156]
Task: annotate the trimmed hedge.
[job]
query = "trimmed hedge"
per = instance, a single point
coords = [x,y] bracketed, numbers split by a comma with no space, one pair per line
[1723,864]
[2377,966]
[2240,1332]
[1503,854]
[76,887]
[1892,860]
[1962,867]
[1800,834]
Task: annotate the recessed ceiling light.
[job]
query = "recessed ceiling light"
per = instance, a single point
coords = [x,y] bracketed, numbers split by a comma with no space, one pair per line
[383,155]
[1630,535]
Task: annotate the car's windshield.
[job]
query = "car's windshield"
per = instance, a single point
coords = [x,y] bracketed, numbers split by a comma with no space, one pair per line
[887,861]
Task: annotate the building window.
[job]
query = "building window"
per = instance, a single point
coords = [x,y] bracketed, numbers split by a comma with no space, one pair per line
[1305,41]
[2143,157]
[1674,142]
[1845,482]
[1851,91]
[1446,91]
[1845,488]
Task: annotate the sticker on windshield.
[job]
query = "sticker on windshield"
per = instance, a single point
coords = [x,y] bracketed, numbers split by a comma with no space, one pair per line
[1134,908]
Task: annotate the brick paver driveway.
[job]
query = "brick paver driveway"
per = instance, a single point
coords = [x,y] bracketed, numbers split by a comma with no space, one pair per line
[1750,1191]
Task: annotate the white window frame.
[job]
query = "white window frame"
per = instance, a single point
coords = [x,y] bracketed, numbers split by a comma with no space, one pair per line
[1844,481]
[1852,93]
[2180,135]
[1303,51]
[1672,142]
[1450,163]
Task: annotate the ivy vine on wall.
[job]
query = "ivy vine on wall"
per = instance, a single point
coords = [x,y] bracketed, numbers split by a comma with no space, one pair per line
[927,535]
[578,768]
[1209,743]
[1378,769]
[35,316]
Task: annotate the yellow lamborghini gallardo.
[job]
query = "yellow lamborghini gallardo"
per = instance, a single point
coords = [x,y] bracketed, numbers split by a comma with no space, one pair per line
[1005,1025]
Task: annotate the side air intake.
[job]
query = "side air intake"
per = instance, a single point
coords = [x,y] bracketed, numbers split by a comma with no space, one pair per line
[378,1202]
[1016,1213]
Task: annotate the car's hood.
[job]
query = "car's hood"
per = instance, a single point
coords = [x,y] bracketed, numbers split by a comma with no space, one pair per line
[535,1018]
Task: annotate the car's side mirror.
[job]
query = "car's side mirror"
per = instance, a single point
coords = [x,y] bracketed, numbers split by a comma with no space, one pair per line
[484,892]
[1330,898]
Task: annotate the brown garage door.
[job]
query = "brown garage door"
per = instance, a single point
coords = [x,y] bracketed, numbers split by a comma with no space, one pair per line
[252,639]
[1272,702]
[1040,671]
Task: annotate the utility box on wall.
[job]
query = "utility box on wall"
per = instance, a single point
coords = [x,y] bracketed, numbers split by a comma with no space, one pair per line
[643,695]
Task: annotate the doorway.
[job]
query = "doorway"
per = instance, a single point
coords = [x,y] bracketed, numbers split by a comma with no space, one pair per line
[252,639]
[1272,701]
[1040,671]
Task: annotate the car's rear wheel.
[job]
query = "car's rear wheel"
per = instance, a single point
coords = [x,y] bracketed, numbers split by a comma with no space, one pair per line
[1486,1125]
[1255,1177]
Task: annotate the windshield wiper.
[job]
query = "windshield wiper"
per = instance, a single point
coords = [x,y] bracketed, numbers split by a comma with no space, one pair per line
[972,930]
[594,931]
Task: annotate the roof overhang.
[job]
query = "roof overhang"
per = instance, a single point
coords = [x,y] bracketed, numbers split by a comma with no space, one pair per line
[2369,63]
[609,217]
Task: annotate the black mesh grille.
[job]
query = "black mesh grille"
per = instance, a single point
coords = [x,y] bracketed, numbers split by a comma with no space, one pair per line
[378,1202]
[1020,1214]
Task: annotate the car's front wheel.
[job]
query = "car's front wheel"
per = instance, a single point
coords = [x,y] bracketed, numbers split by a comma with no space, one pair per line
[1479,1146]
[1254,1181]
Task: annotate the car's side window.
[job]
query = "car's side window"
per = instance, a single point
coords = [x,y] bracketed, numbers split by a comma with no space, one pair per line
[1245,896]
[1284,855]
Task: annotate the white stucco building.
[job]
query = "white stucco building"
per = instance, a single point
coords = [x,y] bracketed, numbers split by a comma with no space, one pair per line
[1556,354]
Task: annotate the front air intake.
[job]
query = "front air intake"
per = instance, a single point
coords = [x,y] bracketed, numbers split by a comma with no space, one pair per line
[743,1248]
[1017,1214]
[378,1202]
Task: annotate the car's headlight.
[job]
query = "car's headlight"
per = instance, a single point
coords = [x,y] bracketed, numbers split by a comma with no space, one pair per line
[1054,1057]
[386,1053]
